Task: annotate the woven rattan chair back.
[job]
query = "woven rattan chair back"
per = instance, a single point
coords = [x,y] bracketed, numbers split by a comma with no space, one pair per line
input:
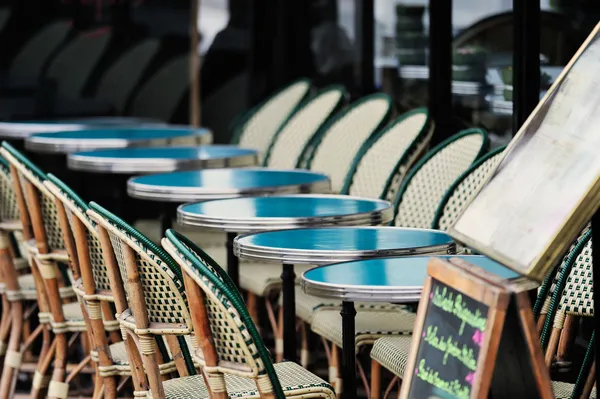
[160,277]
[48,235]
[9,208]
[258,126]
[155,306]
[336,144]
[386,157]
[464,189]
[289,142]
[230,341]
[427,182]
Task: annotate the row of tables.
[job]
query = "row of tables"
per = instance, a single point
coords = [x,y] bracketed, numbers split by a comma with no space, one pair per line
[284,216]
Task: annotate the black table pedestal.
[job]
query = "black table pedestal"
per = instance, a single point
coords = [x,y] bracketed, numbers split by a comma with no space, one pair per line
[233,263]
[288,280]
[348,356]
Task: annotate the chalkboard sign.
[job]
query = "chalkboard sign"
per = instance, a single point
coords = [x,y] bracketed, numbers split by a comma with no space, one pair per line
[458,350]
[453,333]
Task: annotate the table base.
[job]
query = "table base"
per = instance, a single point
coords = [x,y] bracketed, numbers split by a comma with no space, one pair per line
[233,263]
[288,281]
[348,313]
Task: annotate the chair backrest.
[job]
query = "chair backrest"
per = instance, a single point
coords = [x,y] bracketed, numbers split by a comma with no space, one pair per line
[259,125]
[160,278]
[336,144]
[120,79]
[289,142]
[159,96]
[464,189]
[427,182]
[30,60]
[89,249]
[72,66]
[46,226]
[384,159]
[232,344]
[9,208]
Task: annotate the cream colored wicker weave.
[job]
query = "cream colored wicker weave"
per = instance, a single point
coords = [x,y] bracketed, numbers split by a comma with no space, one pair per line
[336,145]
[383,161]
[288,144]
[152,305]
[59,318]
[258,127]
[235,361]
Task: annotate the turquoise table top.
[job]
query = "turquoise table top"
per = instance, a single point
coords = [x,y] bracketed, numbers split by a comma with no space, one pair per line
[200,185]
[241,215]
[162,159]
[122,137]
[24,129]
[337,244]
[384,279]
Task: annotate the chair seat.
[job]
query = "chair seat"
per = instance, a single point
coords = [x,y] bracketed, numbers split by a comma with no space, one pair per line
[11,225]
[370,324]
[307,305]
[28,292]
[120,365]
[295,381]
[264,278]
[392,353]
[563,390]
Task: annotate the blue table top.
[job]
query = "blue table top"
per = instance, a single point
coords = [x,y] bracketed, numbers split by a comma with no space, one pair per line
[225,183]
[347,239]
[284,211]
[337,244]
[384,279]
[24,129]
[128,133]
[142,160]
[96,137]
[202,152]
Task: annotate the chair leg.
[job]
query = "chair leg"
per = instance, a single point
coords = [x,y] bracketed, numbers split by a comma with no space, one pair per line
[177,355]
[375,379]
[58,388]
[252,305]
[46,357]
[304,347]
[278,335]
[5,323]
[334,370]
[12,360]
[139,378]
[151,368]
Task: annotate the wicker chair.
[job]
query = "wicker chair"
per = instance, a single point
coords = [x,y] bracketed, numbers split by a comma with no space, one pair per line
[333,148]
[383,161]
[63,319]
[575,293]
[289,142]
[152,307]
[97,290]
[17,285]
[258,126]
[235,361]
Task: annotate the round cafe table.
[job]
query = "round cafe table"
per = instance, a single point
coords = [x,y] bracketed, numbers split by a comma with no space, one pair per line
[323,245]
[397,280]
[22,130]
[252,214]
[213,184]
[122,137]
[134,161]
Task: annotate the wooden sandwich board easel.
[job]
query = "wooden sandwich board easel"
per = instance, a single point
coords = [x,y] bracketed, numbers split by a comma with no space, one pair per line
[474,337]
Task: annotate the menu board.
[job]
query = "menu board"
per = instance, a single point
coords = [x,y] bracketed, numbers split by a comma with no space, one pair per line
[453,333]
[548,185]
[474,337]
